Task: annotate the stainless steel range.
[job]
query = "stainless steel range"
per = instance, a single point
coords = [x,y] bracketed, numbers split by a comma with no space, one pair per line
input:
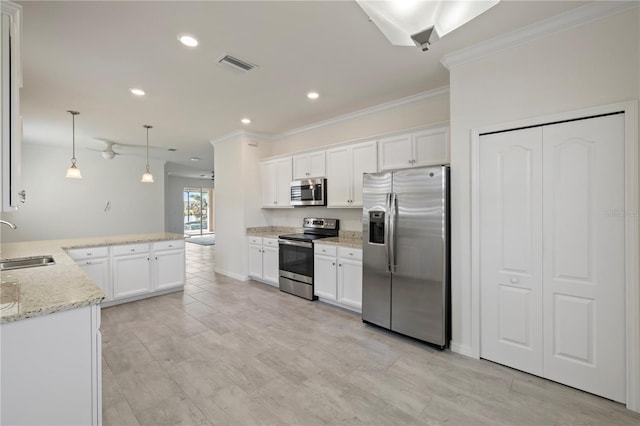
[296,255]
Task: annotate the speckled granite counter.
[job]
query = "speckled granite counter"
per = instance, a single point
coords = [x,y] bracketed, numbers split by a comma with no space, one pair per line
[351,239]
[271,231]
[32,292]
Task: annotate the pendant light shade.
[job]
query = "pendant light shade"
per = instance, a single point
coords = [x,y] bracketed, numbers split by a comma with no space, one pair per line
[73,171]
[147,177]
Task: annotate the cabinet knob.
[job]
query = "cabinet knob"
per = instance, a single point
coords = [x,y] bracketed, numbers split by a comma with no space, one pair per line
[333,263]
[340,264]
[170,245]
[133,250]
[88,262]
[89,254]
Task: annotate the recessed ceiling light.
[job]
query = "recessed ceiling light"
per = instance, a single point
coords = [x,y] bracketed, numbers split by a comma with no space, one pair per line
[245,121]
[195,158]
[313,95]
[188,40]
[137,92]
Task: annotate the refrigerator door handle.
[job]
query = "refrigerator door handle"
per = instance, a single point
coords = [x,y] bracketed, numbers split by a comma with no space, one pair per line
[387,212]
[392,230]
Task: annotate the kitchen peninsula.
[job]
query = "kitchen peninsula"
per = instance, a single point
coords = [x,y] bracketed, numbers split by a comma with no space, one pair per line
[50,321]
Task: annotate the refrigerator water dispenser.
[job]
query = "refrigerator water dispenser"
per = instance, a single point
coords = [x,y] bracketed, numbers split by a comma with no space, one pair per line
[376,227]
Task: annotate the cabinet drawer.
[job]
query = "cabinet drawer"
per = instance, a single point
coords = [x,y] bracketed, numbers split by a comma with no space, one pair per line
[130,249]
[324,250]
[88,253]
[269,242]
[168,245]
[350,253]
[255,240]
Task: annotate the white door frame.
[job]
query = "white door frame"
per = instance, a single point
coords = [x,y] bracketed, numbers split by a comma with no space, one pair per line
[631,217]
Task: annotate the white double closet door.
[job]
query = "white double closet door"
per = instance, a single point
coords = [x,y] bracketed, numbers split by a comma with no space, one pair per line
[552,252]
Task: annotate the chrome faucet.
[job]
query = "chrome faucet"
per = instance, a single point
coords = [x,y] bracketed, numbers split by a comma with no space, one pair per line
[9,224]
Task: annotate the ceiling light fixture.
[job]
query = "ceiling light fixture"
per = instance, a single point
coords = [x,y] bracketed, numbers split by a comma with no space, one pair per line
[313,95]
[188,40]
[409,22]
[245,121]
[147,177]
[73,172]
[137,92]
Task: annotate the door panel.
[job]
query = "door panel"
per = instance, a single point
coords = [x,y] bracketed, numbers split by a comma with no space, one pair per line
[418,290]
[584,315]
[510,248]
[376,280]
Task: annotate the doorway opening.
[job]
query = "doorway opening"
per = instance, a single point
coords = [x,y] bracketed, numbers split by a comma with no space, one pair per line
[198,211]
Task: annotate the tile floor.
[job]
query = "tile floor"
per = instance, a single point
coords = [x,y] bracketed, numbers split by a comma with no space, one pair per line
[242,353]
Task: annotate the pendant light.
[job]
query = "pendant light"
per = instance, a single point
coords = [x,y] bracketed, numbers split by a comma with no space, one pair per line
[147,177]
[73,172]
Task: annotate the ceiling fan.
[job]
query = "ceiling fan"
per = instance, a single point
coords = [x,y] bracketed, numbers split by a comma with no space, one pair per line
[108,152]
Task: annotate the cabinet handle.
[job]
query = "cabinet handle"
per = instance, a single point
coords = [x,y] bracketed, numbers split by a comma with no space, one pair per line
[133,250]
[333,263]
[89,254]
[170,245]
[88,262]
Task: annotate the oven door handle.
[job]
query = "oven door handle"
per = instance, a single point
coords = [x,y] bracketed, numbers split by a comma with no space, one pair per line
[296,243]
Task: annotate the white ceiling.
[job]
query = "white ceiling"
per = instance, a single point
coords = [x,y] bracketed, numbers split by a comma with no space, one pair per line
[86,55]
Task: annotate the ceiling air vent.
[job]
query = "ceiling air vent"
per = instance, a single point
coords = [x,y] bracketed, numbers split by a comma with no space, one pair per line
[236,63]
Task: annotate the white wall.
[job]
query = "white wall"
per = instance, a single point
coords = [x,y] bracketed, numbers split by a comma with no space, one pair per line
[58,207]
[594,64]
[432,109]
[174,202]
[238,199]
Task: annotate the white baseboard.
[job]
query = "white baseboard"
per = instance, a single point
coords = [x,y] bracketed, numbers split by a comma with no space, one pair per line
[232,275]
[462,349]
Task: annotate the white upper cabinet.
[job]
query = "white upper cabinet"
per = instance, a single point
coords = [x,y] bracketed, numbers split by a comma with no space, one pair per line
[276,182]
[310,165]
[11,191]
[345,167]
[423,148]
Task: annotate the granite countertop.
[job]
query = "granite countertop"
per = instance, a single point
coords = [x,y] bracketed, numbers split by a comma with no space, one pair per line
[32,292]
[351,239]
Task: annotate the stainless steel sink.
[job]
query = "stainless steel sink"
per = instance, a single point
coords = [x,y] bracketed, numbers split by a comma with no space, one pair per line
[26,262]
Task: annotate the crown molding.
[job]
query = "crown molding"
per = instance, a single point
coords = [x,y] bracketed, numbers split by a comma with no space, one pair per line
[371,110]
[241,132]
[564,21]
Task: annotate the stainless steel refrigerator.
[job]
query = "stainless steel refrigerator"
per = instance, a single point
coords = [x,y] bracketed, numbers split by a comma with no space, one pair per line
[406,284]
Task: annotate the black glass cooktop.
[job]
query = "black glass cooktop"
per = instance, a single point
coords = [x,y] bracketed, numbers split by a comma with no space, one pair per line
[302,237]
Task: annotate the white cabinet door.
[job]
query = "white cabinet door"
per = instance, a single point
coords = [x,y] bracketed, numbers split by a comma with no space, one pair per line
[324,277]
[255,261]
[395,152]
[364,158]
[350,282]
[584,252]
[431,147]
[309,165]
[270,266]
[131,275]
[98,271]
[168,269]
[283,169]
[339,177]
[268,172]
[511,249]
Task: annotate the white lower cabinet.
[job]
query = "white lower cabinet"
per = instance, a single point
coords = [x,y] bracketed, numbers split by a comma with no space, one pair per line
[168,265]
[94,261]
[52,369]
[338,275]
[263,259]
[133,271]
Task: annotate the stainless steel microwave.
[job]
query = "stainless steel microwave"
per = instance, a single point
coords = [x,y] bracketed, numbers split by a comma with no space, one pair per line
[309,192]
